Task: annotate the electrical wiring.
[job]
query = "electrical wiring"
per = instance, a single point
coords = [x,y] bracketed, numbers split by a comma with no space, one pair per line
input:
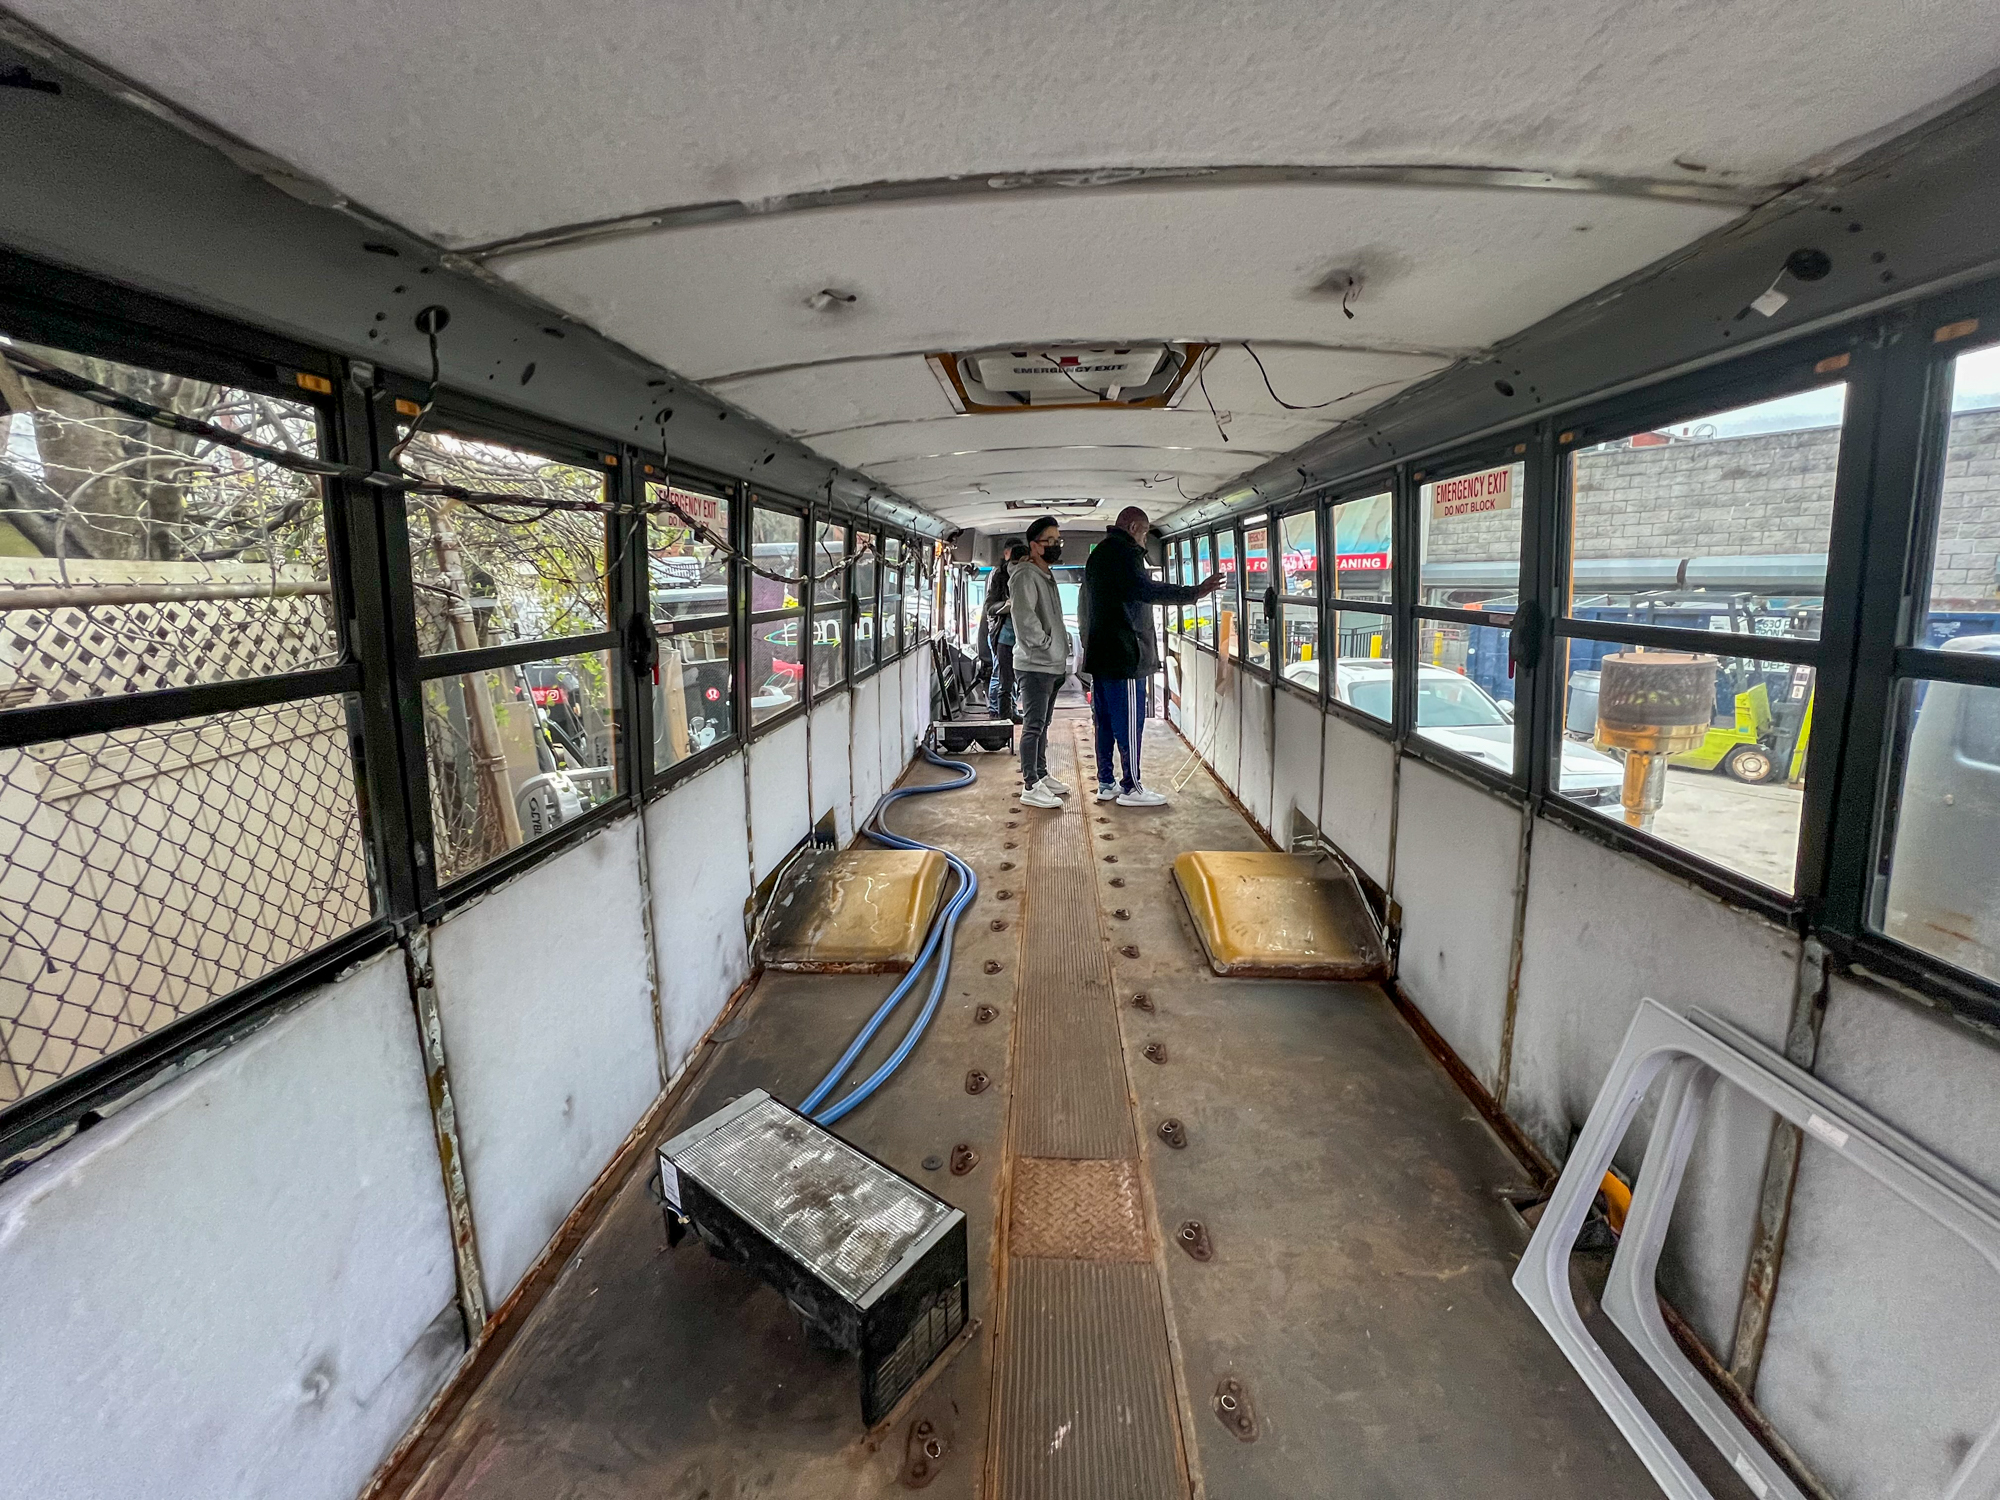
[507,509]
[1317,405]
[938,945]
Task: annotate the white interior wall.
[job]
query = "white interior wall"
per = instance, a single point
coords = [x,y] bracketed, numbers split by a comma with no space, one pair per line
[548,1033]
[865,746]
[1297,781]
[1253,785]
[1227,707]
[832,739]
[1602,932]
[1359,786]
[697,838]
[778,813]
[1879,1363]
[242,1283]
[1457,853]
[889,718]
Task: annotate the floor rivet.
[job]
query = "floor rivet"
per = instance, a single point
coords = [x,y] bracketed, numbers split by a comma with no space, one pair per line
[1156,1052]
[985,1013]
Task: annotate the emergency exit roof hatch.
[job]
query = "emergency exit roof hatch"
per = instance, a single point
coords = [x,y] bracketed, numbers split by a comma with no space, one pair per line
[1030,377]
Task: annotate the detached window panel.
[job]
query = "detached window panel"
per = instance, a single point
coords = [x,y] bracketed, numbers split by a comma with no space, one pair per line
[1964,576]
[1363,548]
[1942,893]
[514,752]
[1716,523]
[1364,665]
[489,575]
[688,560]
[1722,778]
[693,705]
[1469,548]
[134,559]
[147,872]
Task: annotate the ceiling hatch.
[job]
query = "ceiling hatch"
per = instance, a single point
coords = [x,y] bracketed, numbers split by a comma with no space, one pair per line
[1063,377]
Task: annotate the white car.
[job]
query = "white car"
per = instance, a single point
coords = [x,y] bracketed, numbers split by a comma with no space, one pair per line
[1457,713]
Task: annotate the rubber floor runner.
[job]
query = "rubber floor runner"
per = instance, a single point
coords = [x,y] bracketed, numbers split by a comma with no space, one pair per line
[1085,1385]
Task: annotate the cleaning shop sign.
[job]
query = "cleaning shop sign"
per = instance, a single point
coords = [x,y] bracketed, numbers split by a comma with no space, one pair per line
[1473,494]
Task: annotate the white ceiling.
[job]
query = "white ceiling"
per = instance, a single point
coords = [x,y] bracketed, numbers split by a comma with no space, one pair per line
[473,123]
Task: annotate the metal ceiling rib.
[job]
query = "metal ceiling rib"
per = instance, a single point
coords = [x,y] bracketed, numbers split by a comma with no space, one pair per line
[1118,179]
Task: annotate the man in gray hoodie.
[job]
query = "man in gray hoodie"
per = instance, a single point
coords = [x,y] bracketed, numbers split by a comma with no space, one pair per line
[1041,657]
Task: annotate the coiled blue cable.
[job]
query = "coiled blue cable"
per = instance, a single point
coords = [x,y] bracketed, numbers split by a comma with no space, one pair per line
[938,944]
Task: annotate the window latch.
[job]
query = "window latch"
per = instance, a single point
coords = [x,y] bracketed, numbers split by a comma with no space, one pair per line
[1524,641]
[642,648]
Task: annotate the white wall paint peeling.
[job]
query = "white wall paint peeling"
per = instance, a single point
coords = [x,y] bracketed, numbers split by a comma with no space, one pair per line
[1359,776]
[832,739]
[701,880]
[1879,1360]
[1603,931]
[778,814]
[1457,852]
[548,1033]
[241,1284]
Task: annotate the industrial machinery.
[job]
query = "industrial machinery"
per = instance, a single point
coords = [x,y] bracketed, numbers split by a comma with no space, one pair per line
[871,1262]
[1651,705]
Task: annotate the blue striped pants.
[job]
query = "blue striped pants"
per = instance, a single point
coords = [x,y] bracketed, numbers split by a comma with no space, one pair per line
[1118,709]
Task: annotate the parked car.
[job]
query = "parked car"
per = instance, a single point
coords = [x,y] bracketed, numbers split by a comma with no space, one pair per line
[1457,713]
[1944,876]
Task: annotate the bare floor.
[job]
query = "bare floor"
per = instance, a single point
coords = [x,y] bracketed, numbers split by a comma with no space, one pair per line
[1357,1295]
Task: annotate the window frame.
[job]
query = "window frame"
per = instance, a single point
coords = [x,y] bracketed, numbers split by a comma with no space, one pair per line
[1390,482]
[659,469]
[856,673]
[1287,602]
[823,516]
[752,618]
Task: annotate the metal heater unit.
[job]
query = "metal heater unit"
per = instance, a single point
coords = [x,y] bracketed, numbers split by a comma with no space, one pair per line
[871,1262]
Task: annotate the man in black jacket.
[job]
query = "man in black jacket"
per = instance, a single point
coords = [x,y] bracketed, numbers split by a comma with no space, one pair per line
[1120,651]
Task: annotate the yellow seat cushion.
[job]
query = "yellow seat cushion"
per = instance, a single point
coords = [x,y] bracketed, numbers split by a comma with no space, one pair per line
[1279,916]
[858,911]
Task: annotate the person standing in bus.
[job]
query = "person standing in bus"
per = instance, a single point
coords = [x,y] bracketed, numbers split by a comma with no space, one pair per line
[1041,657]
[1001,698]
[1120,652]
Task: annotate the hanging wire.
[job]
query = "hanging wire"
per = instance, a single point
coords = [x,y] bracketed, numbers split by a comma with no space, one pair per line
[507,509]
[1317,405]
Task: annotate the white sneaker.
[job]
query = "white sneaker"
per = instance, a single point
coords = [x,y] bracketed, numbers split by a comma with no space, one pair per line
[1050,784]
[1107,791]
[1037,796]
[1140,796]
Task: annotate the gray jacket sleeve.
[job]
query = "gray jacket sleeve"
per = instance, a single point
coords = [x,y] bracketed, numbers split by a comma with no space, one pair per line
[1038,626]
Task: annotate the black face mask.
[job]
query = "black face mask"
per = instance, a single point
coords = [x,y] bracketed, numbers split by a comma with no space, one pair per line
[1052,553]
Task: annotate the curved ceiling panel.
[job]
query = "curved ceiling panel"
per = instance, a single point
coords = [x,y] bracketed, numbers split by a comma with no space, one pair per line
[1440,269]
[474,122]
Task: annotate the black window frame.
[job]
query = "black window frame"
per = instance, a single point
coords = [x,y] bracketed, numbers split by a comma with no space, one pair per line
[752,617]
[1396,611]
[1286,602]
[661,469]
[868,533]
[822,516]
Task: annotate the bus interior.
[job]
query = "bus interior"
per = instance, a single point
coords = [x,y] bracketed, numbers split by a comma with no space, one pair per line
[556,941]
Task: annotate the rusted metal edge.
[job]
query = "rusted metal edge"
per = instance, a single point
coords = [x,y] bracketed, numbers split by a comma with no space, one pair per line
[444,1128]
[1746,1410]
[404,1466]
[1504,1075]
[1516,1140]
[1781,1174]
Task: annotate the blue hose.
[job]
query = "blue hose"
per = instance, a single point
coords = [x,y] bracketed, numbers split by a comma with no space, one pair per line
[938,944]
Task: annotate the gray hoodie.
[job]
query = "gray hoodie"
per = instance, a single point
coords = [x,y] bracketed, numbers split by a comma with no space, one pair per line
[1041,640]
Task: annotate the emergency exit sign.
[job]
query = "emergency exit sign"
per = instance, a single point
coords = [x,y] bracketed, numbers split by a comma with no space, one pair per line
[1473,494]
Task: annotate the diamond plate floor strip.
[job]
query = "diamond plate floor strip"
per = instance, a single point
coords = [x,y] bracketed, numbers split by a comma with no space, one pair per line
[1077,1210]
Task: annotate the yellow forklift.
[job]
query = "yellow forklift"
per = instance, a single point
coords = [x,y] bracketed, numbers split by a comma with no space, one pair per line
[1760,742]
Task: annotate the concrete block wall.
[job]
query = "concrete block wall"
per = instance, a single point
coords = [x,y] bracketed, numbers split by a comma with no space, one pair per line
[243,1282]
[1877,1365]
